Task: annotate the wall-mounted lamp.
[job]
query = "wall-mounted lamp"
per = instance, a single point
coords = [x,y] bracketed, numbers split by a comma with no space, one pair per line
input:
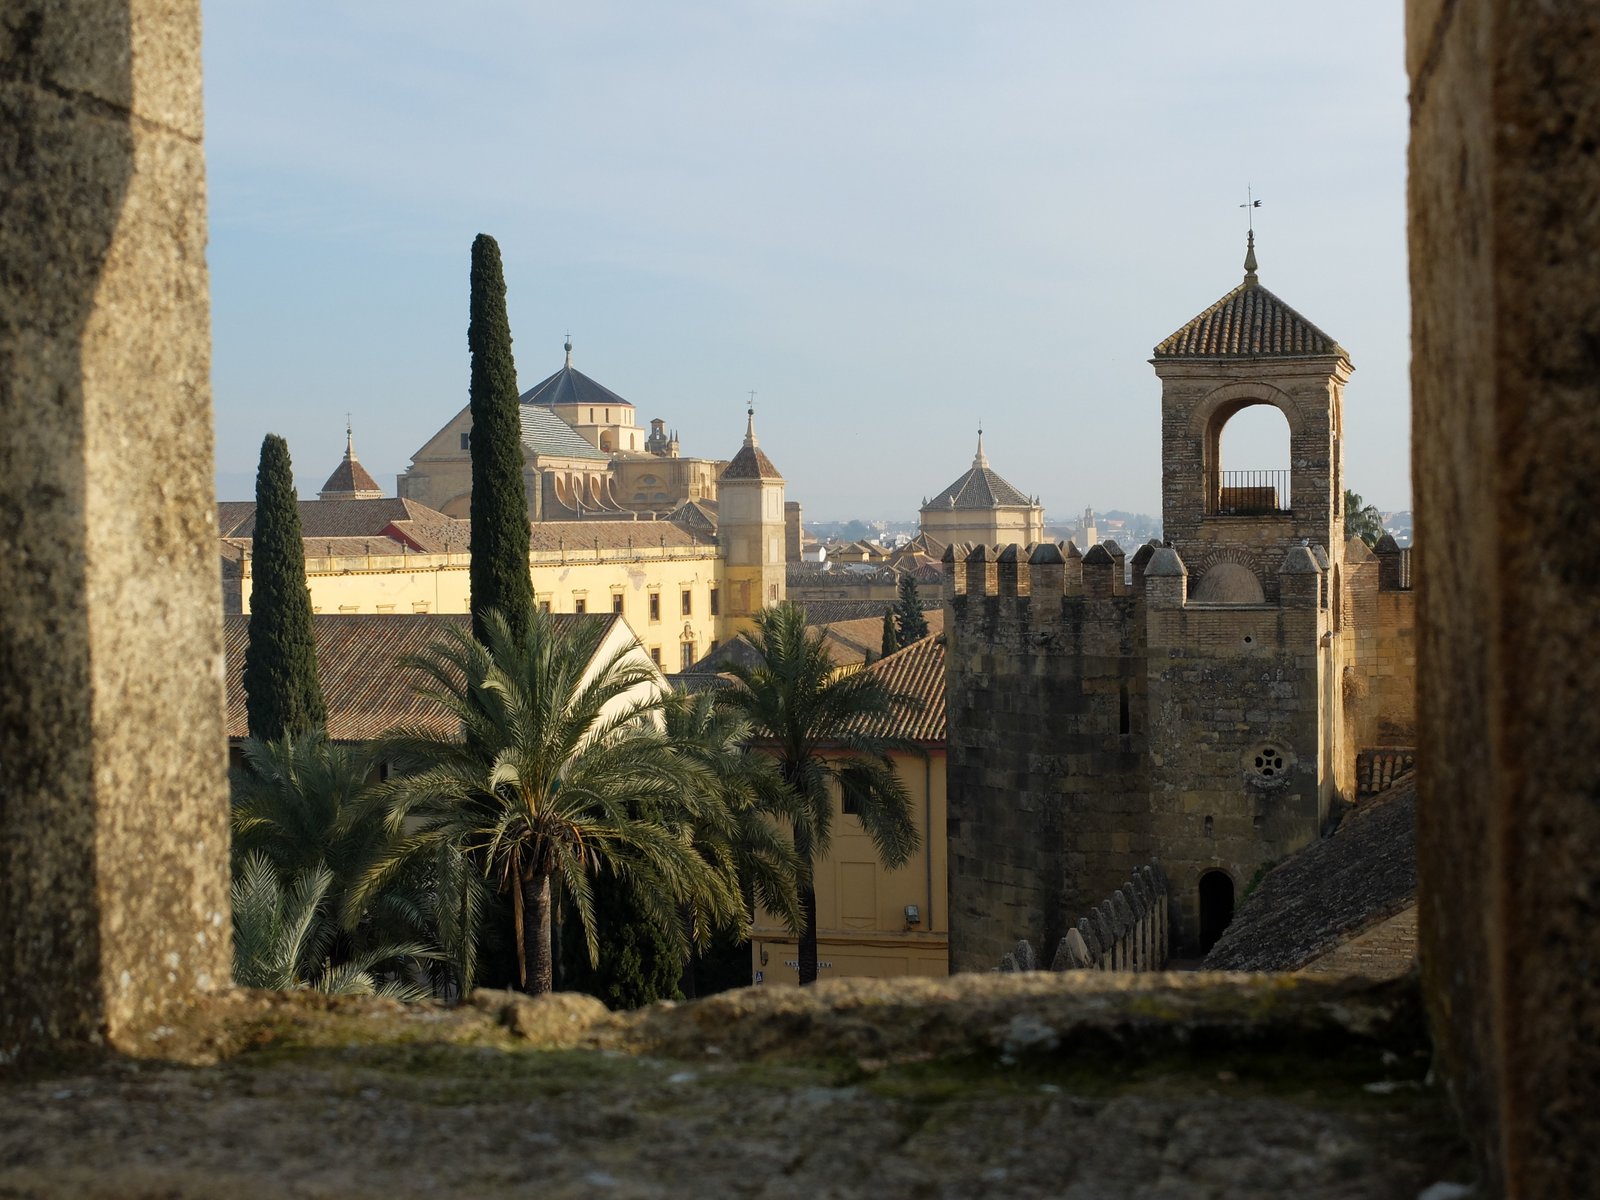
[913,915]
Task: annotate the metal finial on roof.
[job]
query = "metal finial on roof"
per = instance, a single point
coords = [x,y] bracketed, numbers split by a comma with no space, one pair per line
[568,347]
[349,438]
[1250,205]
[980,459]
[750,423]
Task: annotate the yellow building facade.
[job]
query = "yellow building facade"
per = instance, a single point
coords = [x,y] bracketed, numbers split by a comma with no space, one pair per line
[871,921]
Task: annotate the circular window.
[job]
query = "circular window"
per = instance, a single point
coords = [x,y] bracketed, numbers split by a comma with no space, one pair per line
[1268,764]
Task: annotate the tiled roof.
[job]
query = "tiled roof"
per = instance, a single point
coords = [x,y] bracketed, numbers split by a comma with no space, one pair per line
[831,612]
[613,535]
[571,386]
[979,488]
[696,514]
[545,433]
[852,641]
[751,463]
[330,518]
[350,479]
[1249,322]
[1329,892]
[917,670]
[365,692]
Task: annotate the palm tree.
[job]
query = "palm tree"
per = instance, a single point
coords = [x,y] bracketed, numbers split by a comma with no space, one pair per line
[302,810]
[737,835]
[819,727]
[1361,519]
[562,770]
[283,938]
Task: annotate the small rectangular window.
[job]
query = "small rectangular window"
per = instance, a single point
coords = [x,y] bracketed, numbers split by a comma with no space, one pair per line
[580,605]
[688,602]
[616,602]
[544,606]
[688,655]
[655,606]
[655,655]
[716,608]
[466,441]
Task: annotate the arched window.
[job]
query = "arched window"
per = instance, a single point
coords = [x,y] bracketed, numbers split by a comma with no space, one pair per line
[1216,907]
[1248,471]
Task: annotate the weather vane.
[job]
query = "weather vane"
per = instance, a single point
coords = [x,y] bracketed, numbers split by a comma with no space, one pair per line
[1250,204]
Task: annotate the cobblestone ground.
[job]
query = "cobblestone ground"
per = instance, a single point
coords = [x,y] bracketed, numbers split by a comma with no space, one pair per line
[1006,1102]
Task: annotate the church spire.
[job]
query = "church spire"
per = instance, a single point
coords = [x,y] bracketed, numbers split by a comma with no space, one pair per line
[1250,279]
[750,426]
[980,459]
[568,348]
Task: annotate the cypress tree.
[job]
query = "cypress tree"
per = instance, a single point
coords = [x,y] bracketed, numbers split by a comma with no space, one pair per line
[891,638]
[911,625]
[500,576]
[282,693]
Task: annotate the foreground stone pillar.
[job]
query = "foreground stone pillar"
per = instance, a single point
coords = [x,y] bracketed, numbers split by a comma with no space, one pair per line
[1505,270]
[113,808]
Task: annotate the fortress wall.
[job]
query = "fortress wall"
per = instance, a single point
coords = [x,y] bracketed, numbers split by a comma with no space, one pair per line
[1047,795]
[1224,684]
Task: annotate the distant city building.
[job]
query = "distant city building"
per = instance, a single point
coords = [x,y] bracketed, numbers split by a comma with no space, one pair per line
[981,508]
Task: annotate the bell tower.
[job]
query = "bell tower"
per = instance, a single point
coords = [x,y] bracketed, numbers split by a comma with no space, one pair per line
[750,527]
[1250,349]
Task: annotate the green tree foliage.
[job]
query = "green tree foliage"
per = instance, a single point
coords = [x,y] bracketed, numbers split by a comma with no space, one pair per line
[910,623]
[818,727]
[561,758]
[891,634]
[639,960]
[500,578]
[304,807]
[1362,520]
[283,696]
[283,936]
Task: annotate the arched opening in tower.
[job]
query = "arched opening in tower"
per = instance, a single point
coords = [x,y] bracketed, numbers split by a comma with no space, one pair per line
[1216,907]
[1250,466]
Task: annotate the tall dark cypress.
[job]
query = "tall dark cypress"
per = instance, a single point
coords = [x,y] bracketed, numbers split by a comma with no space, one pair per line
[910,624]
[891,636]
[499,505]
[282,692]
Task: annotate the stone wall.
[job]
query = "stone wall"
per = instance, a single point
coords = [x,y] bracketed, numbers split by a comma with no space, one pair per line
[1048,808]
[1505,254]
[113,797]
[1128,931]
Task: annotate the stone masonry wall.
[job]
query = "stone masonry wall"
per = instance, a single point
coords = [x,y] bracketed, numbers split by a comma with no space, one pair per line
[1226,687]
[1046,754]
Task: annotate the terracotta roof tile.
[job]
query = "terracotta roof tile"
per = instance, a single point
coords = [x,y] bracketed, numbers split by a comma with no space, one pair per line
[330,518]
[366,693]
[1249,322]
[751,463]
[917,670]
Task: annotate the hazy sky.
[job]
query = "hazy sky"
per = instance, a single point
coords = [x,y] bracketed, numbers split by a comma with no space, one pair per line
[891,220]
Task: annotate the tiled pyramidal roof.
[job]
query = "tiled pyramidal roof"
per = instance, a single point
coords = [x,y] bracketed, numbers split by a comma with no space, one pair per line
[751,462]
[571,386]
[980,487]
[350,480]
[1249,322]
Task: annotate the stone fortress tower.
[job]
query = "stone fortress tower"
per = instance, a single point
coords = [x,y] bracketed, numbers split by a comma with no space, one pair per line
[1206,712]
[751,531]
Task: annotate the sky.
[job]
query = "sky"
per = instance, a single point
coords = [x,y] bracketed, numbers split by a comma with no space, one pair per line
[892,221]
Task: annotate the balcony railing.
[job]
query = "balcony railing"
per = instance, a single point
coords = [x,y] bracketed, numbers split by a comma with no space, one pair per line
[1251,493]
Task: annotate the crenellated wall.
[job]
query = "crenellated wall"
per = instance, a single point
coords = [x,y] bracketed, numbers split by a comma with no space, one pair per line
[1128,931]
[1048,808]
